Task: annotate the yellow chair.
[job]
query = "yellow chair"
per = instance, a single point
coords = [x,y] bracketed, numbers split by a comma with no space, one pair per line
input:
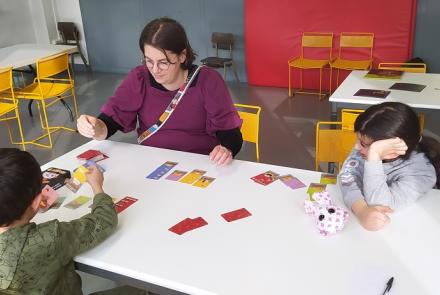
[250,127]
[405,67]
[350,43]
[318,42]
[9,105]
[333,144]
[47,89]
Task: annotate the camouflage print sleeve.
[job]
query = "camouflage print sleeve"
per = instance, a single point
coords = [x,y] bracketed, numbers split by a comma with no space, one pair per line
[82,234]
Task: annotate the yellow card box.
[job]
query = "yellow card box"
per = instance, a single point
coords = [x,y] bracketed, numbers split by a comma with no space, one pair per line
[191,177]
[80,174]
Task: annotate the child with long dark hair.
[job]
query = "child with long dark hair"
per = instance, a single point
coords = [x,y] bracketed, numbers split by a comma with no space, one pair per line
[392,164]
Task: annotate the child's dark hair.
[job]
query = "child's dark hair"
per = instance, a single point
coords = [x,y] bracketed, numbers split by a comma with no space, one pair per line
[20,183]
[395,119]
[167,34]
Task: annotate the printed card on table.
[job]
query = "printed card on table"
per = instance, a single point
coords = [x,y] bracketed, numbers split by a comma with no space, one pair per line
[176,175]
[315,188]
[91,163]
[236,214]
[55,177]
[93,155]
[73,184]
[265,178]
[80,174]
[191,177]
[58,203]
[291,181]
[162,170]
[204,181]
[78,202]
[328,178]
[187,224]
[124,203]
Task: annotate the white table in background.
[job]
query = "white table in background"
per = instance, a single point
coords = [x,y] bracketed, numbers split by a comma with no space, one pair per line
[275,251]
[22,55]
[428,98]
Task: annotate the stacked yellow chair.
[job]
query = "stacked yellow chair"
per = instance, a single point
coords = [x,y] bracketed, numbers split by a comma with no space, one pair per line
[348,43]
[9,105]
[404,67]
[317,41]
[47,89]
[250,128]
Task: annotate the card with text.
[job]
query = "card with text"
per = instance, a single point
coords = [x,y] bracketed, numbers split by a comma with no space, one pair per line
[328,178]
[124,203]
[176,175]
[204,181]
[191,177]
[78,202]
[162,170]
[291,181]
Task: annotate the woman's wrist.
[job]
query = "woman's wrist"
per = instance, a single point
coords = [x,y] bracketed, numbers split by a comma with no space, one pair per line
[100,130]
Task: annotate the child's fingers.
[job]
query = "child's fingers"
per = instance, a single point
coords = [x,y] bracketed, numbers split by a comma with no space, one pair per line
[384,209]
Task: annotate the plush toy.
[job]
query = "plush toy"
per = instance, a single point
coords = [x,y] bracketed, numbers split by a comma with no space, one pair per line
[327,217]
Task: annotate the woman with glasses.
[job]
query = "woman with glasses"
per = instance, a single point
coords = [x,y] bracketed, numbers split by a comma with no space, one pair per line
[178,105]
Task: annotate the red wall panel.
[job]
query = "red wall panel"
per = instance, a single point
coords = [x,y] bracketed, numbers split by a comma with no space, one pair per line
[273,31]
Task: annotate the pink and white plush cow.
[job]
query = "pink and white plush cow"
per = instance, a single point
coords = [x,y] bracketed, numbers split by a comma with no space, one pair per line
[327,217]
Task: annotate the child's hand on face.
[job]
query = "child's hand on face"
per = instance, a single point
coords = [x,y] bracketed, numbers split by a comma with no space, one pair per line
[386,149]
[95,179]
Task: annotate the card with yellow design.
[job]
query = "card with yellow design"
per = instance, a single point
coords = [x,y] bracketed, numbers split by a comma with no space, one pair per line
[204,181]
[191,177]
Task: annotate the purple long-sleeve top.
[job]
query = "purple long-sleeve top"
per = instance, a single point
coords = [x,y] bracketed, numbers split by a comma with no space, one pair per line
[205,109]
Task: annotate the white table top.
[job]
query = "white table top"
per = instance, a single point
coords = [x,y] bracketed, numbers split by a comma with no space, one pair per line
[275,251]
[21,55]
[428,98]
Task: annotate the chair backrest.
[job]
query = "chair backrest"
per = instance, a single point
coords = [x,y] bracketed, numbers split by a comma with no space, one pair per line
[68,31]
[53,65]
[223,41]
[348,116]
[333,145]
[317,40]
[250,127]
[405,67]
[350,40]
[5,79]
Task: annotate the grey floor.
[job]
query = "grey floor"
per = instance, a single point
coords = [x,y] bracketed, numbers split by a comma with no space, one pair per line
[287,126]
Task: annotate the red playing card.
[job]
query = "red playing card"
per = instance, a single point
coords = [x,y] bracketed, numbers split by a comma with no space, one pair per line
[124,203]
[188,224]
[93,155]
[265,178]
[236,214]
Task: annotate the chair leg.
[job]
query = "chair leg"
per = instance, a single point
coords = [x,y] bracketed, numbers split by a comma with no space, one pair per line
[257,152]
[330,81]
[224,72]
[290,87]
[234,69]
[320,83]
[20,129]
[301,79]
[46,121]
[84,59]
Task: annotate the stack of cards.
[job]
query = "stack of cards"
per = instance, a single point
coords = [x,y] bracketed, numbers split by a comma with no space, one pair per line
[55,177]
[191,177]
[291,181]
[91,163]
[188,224]
[93,155]
[265,178]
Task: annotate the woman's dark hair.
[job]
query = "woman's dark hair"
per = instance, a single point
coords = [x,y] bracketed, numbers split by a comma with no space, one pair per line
[20,183]
[167,34]
[395,119]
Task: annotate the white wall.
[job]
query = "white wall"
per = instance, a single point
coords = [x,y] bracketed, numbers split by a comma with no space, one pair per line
[69,11]
[16,23]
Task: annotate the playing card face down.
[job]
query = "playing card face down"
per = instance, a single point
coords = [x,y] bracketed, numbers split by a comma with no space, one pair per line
[204,181]
[265,178]
[236,214]
[187,224]
[191,177]
[162,170]
[124,203]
